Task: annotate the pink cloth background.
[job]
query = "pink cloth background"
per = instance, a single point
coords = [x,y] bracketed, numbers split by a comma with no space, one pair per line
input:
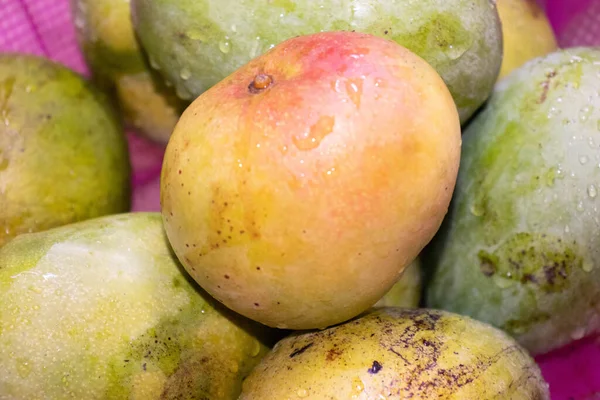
[44,27]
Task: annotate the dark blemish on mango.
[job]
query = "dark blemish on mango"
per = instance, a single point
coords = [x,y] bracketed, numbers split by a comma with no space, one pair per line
[532,259]
[301,350]
[226,276]
[375,368]
[333,354]
[546,86]
[487,263]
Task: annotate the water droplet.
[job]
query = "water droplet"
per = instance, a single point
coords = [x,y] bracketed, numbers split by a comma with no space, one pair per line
[598,125]
[255,48]
[358,387]
[584,113]
[35,289]
[23,367]
[302,393]
[154,64]
[337,86]
[503,283]
[583,159]
[195,34]
[553,112]
[225,46]
[567,229]
[255,348]
[580,206]
[592,191]
[234,367]
[578,334]
[233,28]
[182,93]
[317,133]
[185,74]
[354,88]
[477,210]
[587,266]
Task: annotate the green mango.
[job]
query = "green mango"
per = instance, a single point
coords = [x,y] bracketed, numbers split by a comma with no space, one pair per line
[407,291]
[101,309]
[63,152]
[197,43]
[520,245]
[118,65]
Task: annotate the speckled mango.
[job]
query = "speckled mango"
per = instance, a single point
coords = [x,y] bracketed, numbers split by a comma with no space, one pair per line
[298,189]
[396,354]
[197,43]
[520,247]
[526,33]
[63,152]
[101,309]
[407,291]
[118,65]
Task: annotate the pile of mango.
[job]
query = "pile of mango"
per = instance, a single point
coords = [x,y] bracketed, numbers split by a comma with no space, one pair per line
[374,199]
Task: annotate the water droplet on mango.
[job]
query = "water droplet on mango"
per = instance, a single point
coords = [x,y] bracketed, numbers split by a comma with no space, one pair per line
[317,133]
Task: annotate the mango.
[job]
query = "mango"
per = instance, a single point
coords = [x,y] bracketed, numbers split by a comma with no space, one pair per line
[63,152]
[406,292]
[298,189]
[101,309]
[526,33]
[396,353]
[197,43]
[519,247]
[119,65]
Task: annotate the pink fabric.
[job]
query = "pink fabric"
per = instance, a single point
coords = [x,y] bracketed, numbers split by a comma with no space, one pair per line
[44,27]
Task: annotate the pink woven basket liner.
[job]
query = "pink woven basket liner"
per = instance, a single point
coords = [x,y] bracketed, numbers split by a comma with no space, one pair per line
[44,27]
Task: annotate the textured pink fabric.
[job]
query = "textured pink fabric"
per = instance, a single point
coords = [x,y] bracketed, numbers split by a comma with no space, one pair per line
[44,27]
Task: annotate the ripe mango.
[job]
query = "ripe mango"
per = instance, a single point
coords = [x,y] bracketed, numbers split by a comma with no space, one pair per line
[298,189]
[396,353]
[526,33]
[119,65]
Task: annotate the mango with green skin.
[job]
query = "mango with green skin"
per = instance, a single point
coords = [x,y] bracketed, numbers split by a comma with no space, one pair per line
[407,291]
[519,247]
[118,64]
[396,353]
[63,152]
[197,43]
[101,309]
[298,189]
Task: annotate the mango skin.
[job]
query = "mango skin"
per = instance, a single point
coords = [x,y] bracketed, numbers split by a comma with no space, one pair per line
[118,64]
[519,247]
[300,205]
[101,309]
[406,292]
[197,43]
[63,152]
[526,33]
[396,353]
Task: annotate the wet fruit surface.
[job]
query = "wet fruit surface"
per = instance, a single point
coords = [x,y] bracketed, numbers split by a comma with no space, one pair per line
[332,156]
